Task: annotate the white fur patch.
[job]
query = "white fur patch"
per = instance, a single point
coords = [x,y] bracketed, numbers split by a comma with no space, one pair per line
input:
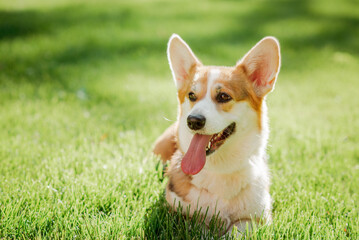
[235,178]
[212,76]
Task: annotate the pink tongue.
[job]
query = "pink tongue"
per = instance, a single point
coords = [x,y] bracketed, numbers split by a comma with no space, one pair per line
[195,157]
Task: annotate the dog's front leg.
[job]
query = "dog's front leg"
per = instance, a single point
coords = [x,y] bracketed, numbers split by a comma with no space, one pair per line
[166,145]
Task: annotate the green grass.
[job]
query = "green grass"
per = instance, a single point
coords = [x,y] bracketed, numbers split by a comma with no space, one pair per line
[85,89]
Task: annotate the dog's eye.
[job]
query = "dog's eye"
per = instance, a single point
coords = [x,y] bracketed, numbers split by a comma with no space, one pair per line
[192,97]
[223,97]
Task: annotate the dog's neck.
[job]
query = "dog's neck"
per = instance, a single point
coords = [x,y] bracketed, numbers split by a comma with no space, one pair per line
[239,153]
[235,167]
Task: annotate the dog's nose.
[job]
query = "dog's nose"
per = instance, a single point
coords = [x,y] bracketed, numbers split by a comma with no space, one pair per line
[196,122]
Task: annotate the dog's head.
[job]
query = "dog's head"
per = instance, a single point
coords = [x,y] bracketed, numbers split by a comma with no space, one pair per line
[219,103]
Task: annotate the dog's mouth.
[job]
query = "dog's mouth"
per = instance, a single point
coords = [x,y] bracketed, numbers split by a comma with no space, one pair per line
[202,146]
[219,138]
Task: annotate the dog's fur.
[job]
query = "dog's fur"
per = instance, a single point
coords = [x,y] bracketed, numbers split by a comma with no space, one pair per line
[234,181]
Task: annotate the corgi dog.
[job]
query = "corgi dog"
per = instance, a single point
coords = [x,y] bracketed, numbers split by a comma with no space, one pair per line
[217,147]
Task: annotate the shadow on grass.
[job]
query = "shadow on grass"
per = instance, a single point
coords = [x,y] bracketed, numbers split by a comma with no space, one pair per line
[51,59]
[15,24]
[163,223]
[335,31]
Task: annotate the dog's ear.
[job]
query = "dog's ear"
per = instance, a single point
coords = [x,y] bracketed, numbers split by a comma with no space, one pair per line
[181,60]
[262,64]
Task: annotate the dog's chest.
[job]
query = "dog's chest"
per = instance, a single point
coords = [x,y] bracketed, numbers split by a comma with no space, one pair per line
[221,186]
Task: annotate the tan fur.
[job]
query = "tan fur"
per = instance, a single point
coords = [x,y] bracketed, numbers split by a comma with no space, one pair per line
[246,90]
[178,182]
[166,144]
[202,81]
[234,181]
[185,89]
[235,82]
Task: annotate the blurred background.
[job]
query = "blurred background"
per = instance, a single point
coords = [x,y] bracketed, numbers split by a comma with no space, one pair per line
[106,51]
[85,89]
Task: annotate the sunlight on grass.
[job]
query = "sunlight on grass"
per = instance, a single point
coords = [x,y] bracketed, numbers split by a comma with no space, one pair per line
[86,89]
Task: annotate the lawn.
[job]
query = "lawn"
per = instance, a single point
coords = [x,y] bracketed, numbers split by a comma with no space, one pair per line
[85,89]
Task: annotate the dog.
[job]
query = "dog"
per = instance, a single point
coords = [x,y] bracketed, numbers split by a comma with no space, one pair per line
[217,147]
